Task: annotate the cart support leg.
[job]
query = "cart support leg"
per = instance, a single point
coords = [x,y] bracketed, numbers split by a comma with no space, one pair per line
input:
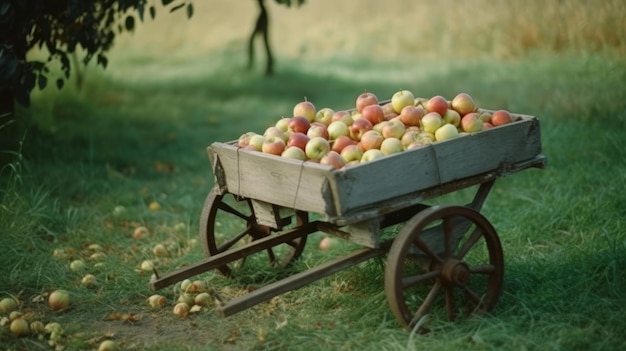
[481,195]
[297,281]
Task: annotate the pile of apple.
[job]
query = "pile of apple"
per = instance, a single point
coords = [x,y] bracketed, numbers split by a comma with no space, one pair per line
[371,130]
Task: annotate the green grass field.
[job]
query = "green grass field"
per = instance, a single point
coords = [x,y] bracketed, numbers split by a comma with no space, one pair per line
[96,162]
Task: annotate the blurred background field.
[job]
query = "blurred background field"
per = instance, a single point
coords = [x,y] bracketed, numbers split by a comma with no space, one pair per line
[128,150]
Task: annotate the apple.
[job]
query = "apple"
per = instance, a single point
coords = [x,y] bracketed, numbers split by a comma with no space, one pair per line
[341,142]
[19,326]
[294,152]
[334,159]
[388,110]
[273,145]
[299,124]
[59,300]
[391,146]
[393,129]
[324,115]
[359,127]
[256,142]
[452,117]
[274,131]
[426,137]
[471,123]
[337,129]
[371,140]
[431,121]
[373,113]
[316,148]
[463,103]
[328,243]
[409,137]
[365,99]
[318,129]
[343,116]
[411,115]
[401,99]
[485,116]
[244,139]
[298,139]
[305,108]
[283,123]
[351,153]
[446,131]
[437,104]
[487,125]
[8,305]
[371,155]
[501,117]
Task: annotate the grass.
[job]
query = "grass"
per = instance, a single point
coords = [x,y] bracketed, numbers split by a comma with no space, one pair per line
[95,161]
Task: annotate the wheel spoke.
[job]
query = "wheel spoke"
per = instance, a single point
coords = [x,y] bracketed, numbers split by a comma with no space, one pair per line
[447,235]
[450,303]
[483,269]
[271,256]
[473,296]
[426,249]
[227,208]
[428,302]
[410,281]
[232,241]
[473,239]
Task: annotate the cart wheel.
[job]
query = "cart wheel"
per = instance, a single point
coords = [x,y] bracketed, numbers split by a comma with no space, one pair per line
[225,214]
[448,255]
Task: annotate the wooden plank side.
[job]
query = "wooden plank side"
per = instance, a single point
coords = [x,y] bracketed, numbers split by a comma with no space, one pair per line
[434,164]
[284,182]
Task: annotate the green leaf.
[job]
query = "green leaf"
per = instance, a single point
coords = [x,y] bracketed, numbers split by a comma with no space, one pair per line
[152,12]
[189,10]
[42,81]
[60,83]
[102,60]
[130,23]
[166,2]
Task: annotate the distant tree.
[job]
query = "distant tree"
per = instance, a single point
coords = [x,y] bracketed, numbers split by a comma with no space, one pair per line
[60,27]
[261,28]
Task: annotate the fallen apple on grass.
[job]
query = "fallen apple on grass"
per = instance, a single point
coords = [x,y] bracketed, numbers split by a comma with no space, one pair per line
[59,300]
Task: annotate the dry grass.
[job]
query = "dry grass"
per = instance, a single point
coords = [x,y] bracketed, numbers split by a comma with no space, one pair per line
[393,30]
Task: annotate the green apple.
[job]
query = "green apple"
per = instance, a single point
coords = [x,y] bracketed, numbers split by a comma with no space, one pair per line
[337,129]
[471,123]
[402,98]
[446,131]
[256,142]
[393,129]
[431,121]
[324,115]
[351,153]
[391,146]
[452,117]
[294,152]
[371,155]
[273,145]
[316,148]
[463,103]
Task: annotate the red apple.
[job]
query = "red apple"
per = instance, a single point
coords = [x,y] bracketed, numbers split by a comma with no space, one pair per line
[373,113]
[409,137]
[411,115]
[501,117]
[463,103]
[371,140]
[343,116]
[244,139]
[334,159]
[393,129]
[305,108]
[341,142]
[365,99]
[359,127]
[351,153]
[437,104]
[298,139]
[318,129]
[487,125]
[273,145]
[299,124]
[471,123]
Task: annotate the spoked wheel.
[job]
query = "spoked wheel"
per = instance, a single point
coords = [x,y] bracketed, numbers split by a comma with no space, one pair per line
[444,255]
[228,222]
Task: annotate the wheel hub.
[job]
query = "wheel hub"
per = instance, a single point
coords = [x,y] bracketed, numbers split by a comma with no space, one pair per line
[455,272]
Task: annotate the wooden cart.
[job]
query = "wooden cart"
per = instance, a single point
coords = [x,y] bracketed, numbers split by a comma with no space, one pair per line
[443,255]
